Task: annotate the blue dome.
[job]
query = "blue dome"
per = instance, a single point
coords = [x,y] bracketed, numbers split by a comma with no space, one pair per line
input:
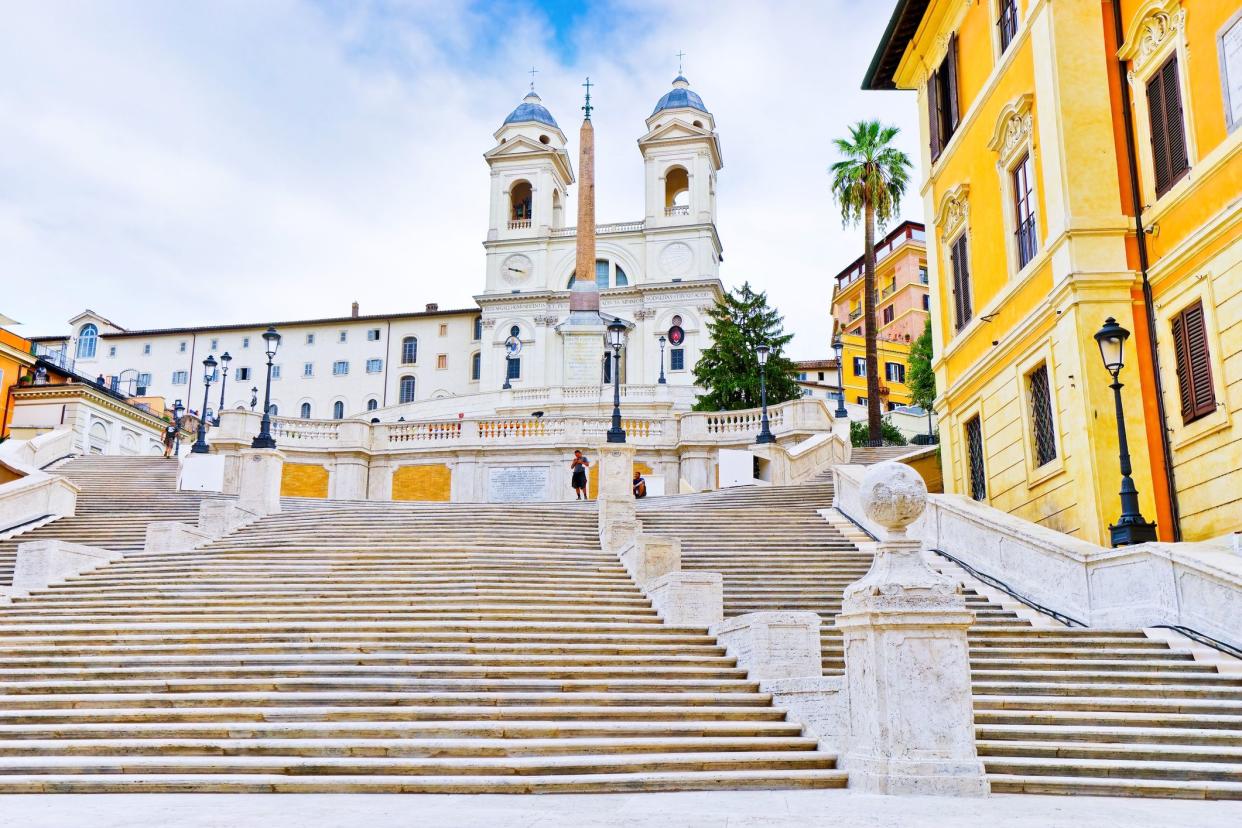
[680,97]
[531,109]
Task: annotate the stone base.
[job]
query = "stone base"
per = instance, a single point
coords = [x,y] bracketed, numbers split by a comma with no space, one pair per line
[173,536]
[259,476]
[688,599]
[43,563]
[905,777]
[650,556]
[219,517]
[774,645]
[815,702]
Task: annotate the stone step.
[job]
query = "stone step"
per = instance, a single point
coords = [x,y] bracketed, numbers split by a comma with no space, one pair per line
[1088,786]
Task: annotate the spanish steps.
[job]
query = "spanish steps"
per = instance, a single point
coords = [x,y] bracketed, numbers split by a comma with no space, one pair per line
[380,647]
[1057,709]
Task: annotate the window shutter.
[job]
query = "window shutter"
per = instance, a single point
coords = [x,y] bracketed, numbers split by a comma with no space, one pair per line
[950,66]
[1175,124]
[1194,363]
[933,113]
[961,282]
[1159,140]
[1183,370]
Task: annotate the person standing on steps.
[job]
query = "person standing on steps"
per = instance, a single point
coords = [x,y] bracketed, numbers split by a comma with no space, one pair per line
[170,437]
[579,466]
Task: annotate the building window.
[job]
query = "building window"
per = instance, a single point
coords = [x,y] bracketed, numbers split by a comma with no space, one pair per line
[478,328]
[862,399]
[961,281]
[88,338]
[514,370]
[922,275]
[310,339]
[443,329]
[974,459]
[802,376]
[1007,23]
[338,410]
[373,335]
[821,376]
[895,372]
[860,366]
[943,106]
[441,361]
[275,372]
[374,366]
[340,368]
[143,382]
[372,404]
[215,345]
[926,301]
[476,366]
[273,410]
[180,377]
[146,348]
[406,390]
[306,411]
[182,346]
[1024,210]
[243,374]
[111,350]
[343,337]
[1041,415]
[1170,161]
[409,350]
[677,359]
[1193,362]
[245,342]
[887,314]
[308,369]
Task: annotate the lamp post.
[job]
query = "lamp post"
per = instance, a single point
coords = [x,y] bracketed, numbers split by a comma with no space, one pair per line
[254,397]
[209,374]
[662,381]
[839,346]
[765,432]
[225,359]
[271,342]
[616,338]
[1130,528]
[178,411]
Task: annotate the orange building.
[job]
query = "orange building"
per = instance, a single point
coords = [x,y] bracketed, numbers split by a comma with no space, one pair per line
[15,361]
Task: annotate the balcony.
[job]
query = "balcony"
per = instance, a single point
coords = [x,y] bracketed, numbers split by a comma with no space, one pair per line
[677,210]
[854,314]
[519,224]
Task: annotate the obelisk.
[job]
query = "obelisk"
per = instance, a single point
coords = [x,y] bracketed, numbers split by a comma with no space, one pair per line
[584,330]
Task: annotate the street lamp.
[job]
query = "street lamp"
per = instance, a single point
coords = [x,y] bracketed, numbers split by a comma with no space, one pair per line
[1131,528]
[225,359]
[765,432]
[254,397]
[839,346]
[662,380]
[616,338]
[271,342]
[209,374]
[178,411]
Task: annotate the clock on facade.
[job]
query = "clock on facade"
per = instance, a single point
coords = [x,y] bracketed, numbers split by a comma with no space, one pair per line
[516,268]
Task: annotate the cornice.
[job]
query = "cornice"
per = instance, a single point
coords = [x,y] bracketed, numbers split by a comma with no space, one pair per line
[76,390]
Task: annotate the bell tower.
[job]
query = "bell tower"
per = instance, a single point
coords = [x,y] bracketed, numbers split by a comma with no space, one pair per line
[681,151]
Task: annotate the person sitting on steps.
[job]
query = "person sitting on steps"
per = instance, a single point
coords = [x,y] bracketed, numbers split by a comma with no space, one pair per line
[640,485]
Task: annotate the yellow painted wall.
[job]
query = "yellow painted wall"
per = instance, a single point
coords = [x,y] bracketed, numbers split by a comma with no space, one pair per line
[427,481]
[929,469]
[855,387]
[596,470]
[304,480]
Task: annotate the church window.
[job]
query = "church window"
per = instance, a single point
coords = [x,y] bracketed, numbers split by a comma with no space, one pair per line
[273,410]
[515,331]
[621,278]
[180,377]
[515,368]
[676,192]
[677,359]
[242,374]
[543,139]
[374,366]
[476,366]
[338,410]
[409,350]
[308,369]
[604,276]
[441,361]
[372,404]
[406,390]
[340,368]
[88,338]
[478,328]
[306,411]
[521,198]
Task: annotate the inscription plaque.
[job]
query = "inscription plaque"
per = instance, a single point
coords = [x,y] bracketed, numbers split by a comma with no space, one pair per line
[517,484]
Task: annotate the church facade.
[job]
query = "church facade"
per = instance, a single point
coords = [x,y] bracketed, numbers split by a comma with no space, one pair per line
[658,273]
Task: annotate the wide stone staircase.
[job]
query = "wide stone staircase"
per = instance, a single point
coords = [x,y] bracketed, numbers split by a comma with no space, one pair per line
[119,496]
[381,647]
[1057,710]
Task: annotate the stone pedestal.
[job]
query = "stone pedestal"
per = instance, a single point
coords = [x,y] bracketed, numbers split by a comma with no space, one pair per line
[618,517]
[173,536]
[815,702]
[650,556]
[259,480]
[907,661]
[688,599]
[773,645]
[219,517]
[43,563]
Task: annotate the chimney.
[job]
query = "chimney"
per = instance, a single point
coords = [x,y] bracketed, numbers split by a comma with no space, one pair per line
[433,306]
[353,310]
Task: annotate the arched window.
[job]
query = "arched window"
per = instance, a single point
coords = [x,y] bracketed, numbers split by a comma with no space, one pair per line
[602,274]
[338,410]
[306,411]
[273,410]
[406,393]
[409,350]
[372,404]
[476,366]
[520,202]
[621,278]
[676,191]
[88,338]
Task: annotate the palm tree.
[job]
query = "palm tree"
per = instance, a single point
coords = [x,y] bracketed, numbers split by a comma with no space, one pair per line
[868,184]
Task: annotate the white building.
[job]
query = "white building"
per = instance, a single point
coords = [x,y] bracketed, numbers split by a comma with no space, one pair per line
[658,272]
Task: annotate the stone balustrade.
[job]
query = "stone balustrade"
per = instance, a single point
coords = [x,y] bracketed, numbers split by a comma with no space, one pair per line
[27,493]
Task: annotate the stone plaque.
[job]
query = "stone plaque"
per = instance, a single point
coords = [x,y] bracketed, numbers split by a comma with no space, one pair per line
[517,484]
[584,358]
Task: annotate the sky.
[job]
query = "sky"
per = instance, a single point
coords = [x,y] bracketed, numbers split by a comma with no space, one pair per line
[170,164]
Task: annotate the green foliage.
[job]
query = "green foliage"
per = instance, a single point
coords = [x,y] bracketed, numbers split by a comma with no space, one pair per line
[871,173]
[860,434]
[920,378]
[729,369]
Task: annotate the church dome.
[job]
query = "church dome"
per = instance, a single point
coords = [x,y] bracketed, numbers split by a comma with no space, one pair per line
[680,97]
[532,109]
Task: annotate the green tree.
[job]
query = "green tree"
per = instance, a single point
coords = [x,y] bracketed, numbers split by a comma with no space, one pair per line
[920,377]
[868,184]
[729,368]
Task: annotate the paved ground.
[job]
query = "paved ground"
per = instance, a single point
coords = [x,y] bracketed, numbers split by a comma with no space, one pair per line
[758,809]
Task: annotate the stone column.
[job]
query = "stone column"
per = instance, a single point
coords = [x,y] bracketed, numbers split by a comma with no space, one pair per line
[907,661]
[618,519]
[259,480]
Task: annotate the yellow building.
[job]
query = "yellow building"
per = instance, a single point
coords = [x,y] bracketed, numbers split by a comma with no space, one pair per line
[1047,126]
[902,305]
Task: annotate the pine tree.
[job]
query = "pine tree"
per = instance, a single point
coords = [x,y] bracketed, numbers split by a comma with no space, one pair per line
[729,369]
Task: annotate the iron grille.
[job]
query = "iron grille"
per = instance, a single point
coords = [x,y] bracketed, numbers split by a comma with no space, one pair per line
[974,455]
[1007,22]
[1027,245]
[1041,416]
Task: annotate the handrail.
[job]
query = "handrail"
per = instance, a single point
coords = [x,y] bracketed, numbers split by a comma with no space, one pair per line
[1206,640]
[1008,590]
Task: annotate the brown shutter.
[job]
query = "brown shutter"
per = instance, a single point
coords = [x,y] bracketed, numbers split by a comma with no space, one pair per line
[961,281]
[1175,123]
[1159,138]
[950,67]
[1194,363]
[1183,370]
[933,113]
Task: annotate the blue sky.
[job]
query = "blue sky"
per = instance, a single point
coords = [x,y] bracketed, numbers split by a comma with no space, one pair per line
[177,163]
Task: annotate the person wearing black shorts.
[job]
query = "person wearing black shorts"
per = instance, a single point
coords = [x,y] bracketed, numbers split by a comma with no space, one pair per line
[579,465]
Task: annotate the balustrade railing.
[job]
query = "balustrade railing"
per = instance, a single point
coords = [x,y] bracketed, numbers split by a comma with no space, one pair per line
[519,428]
[602,229]
[519,224]
[677,210]
[433,432]
[289,430]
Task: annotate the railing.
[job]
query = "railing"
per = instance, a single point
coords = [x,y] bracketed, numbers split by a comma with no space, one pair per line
[602,229]
[677,210]
[882,251]
[519,224]
[57,356]
[519,428]
[888,291]
[1028,244]
[634,429]
[433,432]
[289,430]
[854,314]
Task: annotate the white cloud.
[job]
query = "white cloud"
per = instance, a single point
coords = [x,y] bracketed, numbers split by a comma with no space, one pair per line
[171,164]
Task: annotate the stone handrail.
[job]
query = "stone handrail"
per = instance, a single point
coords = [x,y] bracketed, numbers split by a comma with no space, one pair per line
[1195,585]
[31,493]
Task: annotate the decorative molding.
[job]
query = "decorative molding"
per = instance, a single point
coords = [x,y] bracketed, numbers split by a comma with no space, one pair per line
[547,321]
[489,323]
[1153,25]
[954,211]
[1014,128]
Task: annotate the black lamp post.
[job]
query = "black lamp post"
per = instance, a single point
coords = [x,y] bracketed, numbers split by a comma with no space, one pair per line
[209,374]
[254,397]
[662,380]
[271,341]
[225,359]
[616,338]
[765,432]
[839,347]
[1131,528]
[178,411]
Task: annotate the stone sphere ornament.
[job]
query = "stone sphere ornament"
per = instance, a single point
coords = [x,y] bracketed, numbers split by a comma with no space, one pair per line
[893,495]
